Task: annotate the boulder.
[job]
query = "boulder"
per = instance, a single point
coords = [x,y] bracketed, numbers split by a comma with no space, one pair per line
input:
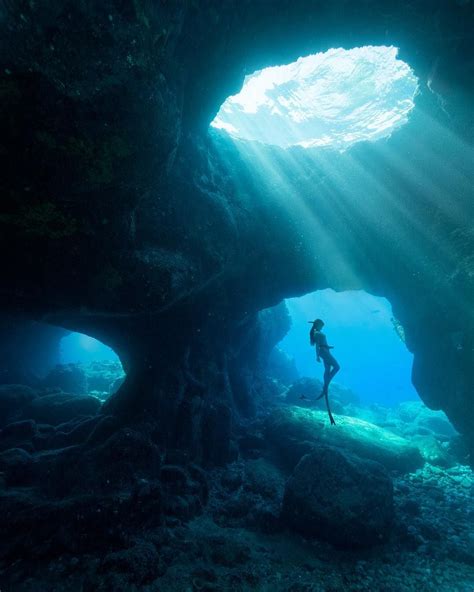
[16,464]
[340,498]
[20,434]
[58,408]
[13,397]
[295,430]
[433,452]
[417,419]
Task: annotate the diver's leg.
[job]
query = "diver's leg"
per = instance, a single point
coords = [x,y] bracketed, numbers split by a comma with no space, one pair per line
[331,418]
[327,375]
[335,369]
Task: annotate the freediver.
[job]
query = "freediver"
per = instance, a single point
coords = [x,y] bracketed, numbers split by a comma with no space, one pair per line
[331,366]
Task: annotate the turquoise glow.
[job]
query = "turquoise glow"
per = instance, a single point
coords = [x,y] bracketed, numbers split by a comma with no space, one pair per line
[331,99]
[375,363]
[80,348]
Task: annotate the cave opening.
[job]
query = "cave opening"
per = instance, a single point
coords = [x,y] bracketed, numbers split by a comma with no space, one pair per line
[98,368]
[368,339]
[331,99]
[374,383]
[55,377]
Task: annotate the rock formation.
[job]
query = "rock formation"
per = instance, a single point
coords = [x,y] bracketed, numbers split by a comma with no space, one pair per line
[123,217]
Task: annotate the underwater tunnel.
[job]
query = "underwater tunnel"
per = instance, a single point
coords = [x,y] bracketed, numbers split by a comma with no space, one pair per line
[191,184]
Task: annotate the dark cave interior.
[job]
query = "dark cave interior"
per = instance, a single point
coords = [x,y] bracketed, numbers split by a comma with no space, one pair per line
[126,218]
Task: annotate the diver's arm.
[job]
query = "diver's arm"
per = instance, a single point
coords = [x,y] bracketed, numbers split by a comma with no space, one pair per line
[318,347]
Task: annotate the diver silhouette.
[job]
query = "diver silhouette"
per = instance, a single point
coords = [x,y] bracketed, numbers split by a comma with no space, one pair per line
[331,366]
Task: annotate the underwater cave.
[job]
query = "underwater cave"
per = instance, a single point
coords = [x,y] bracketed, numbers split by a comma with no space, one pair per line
[190,188]
[375,361]
[332,99]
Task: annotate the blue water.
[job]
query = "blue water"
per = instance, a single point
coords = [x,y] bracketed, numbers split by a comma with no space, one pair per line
[375,362]
[80,348]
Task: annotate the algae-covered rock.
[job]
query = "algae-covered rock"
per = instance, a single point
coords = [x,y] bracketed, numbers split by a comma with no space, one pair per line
[60,407]
[295,430]
[340,498]
[415,418]
[16,464]
[19,435]
[13,397]
[433,452]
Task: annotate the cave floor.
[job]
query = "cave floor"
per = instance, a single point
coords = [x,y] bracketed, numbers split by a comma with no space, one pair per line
[434,551]
[432,548]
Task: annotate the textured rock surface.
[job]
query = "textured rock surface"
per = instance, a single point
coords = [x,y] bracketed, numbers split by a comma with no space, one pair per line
[13,397]
[340,498]
[59,407]
[295,430]
[125,218]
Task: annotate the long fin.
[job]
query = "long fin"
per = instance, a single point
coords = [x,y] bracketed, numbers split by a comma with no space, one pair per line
[331,418]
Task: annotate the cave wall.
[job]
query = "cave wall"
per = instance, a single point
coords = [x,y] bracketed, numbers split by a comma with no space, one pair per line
[124,218]
[28,350]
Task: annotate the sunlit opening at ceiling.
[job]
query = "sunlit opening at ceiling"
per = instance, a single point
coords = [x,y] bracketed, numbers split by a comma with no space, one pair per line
[332,99]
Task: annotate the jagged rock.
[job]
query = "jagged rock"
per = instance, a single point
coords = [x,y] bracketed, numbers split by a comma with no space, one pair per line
[294,430]
[58,408]
[340,498]
[13,397]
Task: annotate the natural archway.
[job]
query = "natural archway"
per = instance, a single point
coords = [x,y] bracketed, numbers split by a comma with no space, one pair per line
[118,189]
[124,217]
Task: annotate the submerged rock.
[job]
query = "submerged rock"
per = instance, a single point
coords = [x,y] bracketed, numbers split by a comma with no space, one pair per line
[140,563]
[58,408]
[16,464]
[340,498]
[415,418]
[70,378]
[433,452]
[294,431]
[20,434]
[13,397]
[252,492]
